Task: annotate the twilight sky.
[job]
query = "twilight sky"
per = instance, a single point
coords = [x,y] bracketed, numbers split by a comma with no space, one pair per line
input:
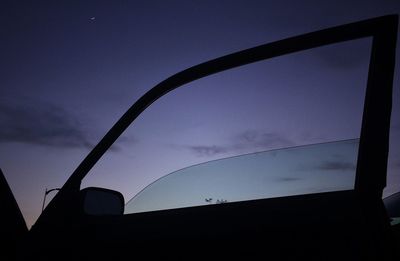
[70,69]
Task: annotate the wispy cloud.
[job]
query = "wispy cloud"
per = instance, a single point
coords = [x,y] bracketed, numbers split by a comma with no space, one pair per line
[329,165]
[40,123]
[250,140]
[336,165]
[287,179]
[121,142]
[261,139]
[206,151]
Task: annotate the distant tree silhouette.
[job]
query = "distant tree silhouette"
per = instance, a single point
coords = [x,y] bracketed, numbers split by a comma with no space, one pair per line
[219,201]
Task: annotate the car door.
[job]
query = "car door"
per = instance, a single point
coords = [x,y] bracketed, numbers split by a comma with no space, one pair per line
[336,224]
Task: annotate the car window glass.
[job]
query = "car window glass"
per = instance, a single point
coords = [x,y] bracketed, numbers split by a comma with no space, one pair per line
[293,171]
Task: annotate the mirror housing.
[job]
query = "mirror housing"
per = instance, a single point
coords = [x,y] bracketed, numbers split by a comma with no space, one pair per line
[101,201]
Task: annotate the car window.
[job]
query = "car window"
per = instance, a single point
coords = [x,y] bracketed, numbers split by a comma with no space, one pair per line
[297,107]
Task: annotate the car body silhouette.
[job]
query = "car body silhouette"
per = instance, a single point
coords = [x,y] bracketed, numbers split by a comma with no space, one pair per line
[349,223]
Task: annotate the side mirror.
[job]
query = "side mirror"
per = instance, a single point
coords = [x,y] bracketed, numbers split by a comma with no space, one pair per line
[100,201]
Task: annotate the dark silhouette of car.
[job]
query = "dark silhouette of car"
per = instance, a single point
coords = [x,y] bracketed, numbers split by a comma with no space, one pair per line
[348,224]
[392,204]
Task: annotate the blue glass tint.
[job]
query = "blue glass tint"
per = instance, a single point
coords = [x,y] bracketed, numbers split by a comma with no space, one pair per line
[275,173]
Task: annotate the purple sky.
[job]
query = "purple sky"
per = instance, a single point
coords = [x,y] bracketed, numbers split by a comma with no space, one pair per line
[69,69]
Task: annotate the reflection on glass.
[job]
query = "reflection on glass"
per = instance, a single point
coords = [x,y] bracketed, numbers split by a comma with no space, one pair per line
[292,171]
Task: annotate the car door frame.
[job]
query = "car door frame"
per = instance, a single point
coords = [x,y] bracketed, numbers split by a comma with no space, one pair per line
[374,138]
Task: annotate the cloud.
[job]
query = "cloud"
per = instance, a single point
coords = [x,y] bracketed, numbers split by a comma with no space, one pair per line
[207,151]
[40,123]
[287,179]
[244,142]
[336,165]
[262,140]
[331,165]
[120,143]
